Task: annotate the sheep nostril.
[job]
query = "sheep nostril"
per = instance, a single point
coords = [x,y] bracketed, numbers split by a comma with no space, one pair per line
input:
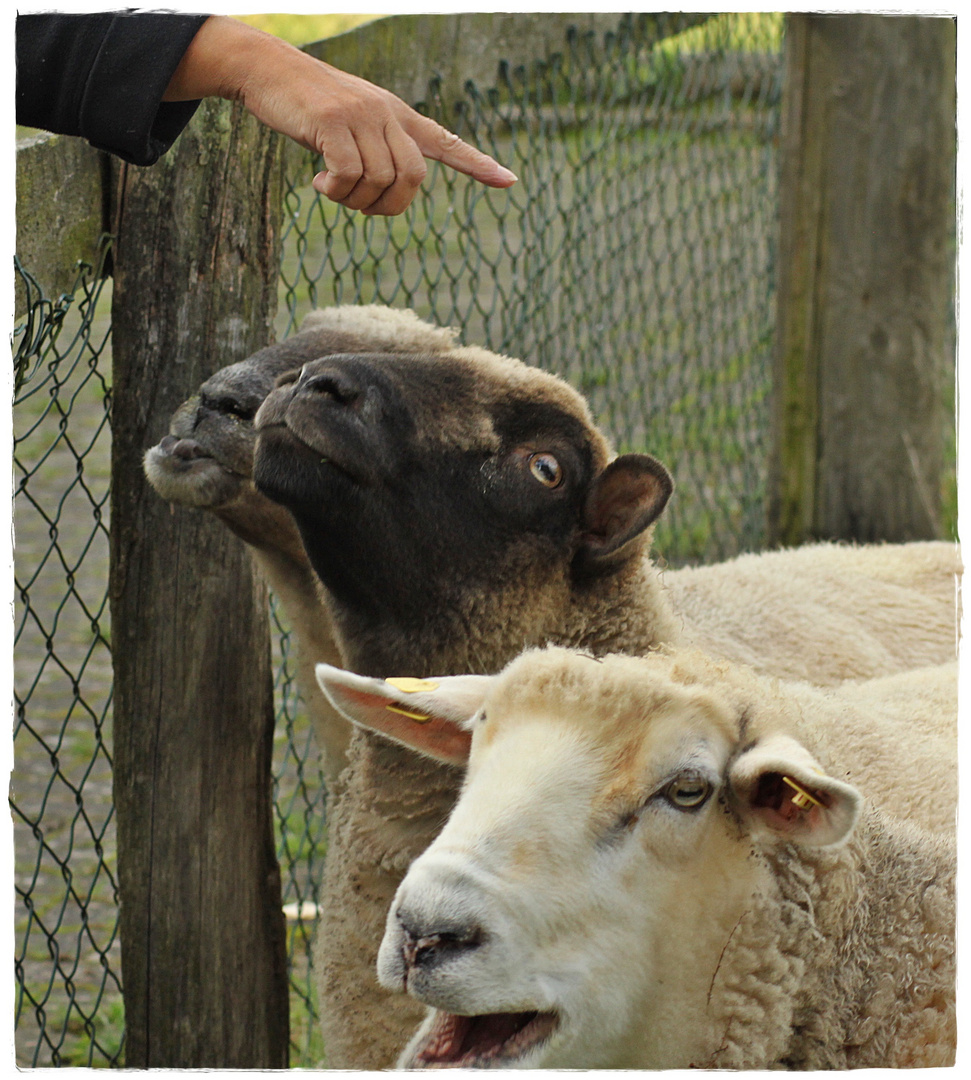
[335,385]
[427,949]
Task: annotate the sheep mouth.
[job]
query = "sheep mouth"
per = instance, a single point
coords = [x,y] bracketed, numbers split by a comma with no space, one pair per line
[182,471]
[490,1041]
[280,443]
[174,452]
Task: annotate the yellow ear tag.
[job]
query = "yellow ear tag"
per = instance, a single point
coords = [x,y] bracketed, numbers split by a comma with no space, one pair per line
[802,798]
[411,686]
[419,718]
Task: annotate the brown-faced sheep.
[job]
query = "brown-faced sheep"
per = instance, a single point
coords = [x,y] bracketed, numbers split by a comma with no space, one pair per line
[462,507]
[206,461]
[666,862]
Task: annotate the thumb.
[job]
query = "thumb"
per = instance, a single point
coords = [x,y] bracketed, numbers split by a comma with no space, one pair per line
[439,144]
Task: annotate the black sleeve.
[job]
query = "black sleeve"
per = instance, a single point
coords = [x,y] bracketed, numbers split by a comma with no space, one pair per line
[102,77]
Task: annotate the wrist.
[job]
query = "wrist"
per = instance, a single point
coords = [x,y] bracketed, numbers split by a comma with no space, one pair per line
[218,60]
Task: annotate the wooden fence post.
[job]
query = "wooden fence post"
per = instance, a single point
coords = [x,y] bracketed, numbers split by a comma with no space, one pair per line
[203,936]
[865,343]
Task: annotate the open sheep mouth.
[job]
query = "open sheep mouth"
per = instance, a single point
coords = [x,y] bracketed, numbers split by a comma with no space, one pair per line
[491,1041]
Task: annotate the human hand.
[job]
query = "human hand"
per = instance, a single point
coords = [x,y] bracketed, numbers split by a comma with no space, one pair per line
[374,145]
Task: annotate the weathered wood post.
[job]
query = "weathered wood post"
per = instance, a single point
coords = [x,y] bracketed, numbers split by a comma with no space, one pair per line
[866,278]
[203,937]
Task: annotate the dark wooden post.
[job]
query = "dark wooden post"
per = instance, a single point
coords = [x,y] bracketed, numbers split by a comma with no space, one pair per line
[203,936]
[866,278]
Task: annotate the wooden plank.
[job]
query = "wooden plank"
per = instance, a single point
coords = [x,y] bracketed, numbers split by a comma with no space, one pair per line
[428,60]
[404,52]
[60,212]
[203,936]
[866,327]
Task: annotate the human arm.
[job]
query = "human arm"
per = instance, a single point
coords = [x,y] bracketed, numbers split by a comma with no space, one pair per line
[102,76]
[373,144]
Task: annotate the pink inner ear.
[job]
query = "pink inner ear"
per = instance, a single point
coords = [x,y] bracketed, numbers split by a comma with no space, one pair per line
[779,802]
[372,701]
[437,736]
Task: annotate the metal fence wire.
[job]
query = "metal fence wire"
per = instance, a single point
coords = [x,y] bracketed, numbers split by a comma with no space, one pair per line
[634,258]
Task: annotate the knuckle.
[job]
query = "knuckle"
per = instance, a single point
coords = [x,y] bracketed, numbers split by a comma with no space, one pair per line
[380,178]
[447,140]
[396,203]
[413,173]
[356,200]
[344,176]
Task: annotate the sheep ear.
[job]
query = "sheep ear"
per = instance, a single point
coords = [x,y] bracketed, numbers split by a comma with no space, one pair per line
[623,501]
[432,716]
[781,789]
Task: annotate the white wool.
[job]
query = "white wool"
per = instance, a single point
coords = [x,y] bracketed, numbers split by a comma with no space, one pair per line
[383,325]
[825,612]
[719,937]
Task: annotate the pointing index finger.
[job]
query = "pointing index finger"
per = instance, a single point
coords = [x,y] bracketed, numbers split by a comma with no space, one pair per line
[437,143]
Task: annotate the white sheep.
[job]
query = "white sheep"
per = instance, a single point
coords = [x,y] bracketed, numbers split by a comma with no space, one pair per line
[661,862]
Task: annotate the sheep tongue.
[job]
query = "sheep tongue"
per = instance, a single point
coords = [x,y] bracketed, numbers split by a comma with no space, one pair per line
[456,1041]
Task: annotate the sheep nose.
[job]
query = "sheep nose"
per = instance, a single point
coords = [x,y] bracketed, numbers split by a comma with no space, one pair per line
[426,947]
[185,449]
[338,385]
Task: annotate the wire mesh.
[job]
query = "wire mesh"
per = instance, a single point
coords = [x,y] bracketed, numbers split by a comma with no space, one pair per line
[634,258]
[69,1007]
[68,999]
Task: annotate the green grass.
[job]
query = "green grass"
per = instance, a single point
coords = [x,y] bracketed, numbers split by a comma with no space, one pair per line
[302,29]
[746,31]
[98,1041]
[306,1040]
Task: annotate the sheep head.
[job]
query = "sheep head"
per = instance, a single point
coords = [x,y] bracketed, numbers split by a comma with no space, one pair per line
[206,459]
[463,495]
[575,909]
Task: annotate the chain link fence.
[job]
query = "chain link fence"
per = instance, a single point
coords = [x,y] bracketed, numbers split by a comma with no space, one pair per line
[635,258]
[68,995]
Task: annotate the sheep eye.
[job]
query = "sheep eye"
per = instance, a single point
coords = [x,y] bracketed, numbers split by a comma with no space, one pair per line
[229,406]
[687,792]
[546,469]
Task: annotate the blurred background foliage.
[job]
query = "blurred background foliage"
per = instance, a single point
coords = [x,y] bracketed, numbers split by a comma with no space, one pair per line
[749,30]
[301,29]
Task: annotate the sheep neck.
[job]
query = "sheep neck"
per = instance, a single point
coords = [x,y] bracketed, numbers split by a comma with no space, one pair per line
[824,998]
